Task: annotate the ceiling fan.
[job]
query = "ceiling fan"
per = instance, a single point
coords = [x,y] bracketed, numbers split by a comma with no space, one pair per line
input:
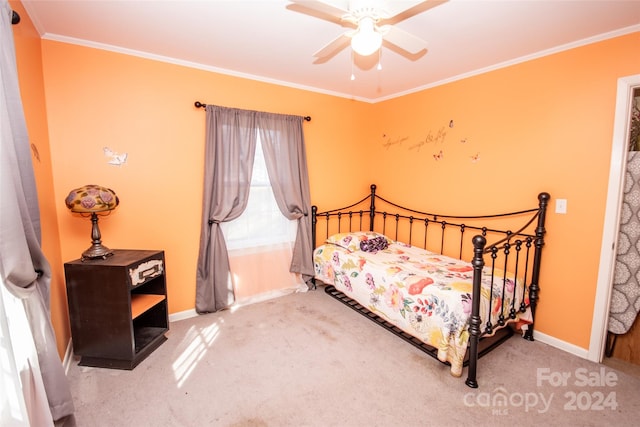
[370,21]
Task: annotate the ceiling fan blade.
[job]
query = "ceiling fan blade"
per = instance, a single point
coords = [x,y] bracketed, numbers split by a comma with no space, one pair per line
[332,48]
[404,40]
[409,9]
[321,9]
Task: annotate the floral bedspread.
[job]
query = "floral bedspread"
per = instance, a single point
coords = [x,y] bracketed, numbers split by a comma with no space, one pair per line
[425,294]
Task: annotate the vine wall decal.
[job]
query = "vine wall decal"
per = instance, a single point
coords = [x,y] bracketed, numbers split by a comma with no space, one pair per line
[437,138]
[389,142]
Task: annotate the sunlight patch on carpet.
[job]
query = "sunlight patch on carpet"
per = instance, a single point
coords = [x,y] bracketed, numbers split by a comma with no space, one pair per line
[200,340]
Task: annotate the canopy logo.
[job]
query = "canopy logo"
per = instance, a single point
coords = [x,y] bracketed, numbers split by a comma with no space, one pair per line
[500,401]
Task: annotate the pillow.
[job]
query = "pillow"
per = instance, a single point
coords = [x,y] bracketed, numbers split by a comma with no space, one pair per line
[374,245]
[351,241]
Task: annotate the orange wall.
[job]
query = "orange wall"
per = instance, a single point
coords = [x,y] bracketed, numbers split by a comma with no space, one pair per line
[544,125]
[145,108]
[29,60]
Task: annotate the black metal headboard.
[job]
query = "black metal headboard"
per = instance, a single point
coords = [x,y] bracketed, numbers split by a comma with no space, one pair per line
[363,214]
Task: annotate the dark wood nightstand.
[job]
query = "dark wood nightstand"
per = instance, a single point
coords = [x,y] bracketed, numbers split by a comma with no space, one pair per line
[117,307]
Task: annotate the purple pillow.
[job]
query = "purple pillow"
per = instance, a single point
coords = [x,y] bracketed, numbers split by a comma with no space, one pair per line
[374,245]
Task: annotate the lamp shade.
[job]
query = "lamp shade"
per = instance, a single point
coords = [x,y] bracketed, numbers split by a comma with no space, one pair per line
[91,198]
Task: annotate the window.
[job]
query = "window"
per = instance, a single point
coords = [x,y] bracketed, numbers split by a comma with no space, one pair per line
[262,223]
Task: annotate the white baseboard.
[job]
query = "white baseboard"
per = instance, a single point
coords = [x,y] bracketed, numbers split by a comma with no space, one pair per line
[182,315]
[562,345]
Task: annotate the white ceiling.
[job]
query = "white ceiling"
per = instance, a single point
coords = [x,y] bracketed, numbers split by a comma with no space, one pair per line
[264,40]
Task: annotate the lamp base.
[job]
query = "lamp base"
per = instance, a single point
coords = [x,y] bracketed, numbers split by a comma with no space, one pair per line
[96,251]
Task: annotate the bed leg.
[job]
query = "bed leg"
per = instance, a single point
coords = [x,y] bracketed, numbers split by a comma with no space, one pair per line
[473,362]
[533,302]
[474,321]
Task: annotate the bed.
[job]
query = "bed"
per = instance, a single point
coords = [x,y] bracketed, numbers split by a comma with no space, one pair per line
[456,287]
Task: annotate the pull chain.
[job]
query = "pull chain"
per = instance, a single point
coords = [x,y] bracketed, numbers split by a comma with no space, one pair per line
[353,60]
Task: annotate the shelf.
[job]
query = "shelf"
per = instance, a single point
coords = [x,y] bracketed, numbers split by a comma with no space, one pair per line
[146,336]
[143,302]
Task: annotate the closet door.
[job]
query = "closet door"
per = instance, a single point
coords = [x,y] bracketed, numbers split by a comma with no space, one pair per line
[624,332]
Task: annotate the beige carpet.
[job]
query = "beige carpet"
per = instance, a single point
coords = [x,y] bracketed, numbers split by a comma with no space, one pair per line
[308,360]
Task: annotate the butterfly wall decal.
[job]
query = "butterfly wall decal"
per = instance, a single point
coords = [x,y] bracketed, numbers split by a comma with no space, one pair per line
[115,159]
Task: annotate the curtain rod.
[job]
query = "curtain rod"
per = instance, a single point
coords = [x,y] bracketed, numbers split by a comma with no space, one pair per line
[199,104]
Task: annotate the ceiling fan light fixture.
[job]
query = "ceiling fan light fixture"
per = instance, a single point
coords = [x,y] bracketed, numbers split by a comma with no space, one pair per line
[367,40]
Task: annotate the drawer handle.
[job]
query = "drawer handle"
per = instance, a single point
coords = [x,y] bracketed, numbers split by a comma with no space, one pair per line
[145,271]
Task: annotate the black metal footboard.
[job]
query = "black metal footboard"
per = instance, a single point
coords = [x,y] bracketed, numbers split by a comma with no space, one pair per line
[515,252]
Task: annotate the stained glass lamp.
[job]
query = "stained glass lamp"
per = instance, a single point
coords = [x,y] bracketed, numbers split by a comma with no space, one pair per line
[90,200]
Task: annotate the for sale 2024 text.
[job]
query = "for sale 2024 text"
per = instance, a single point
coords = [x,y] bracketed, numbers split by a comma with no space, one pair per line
[592,397]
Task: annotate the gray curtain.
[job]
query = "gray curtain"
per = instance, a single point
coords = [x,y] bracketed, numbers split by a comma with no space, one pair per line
[231,136]
[25,271]
[229,152]
[625,294]
[286,159]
